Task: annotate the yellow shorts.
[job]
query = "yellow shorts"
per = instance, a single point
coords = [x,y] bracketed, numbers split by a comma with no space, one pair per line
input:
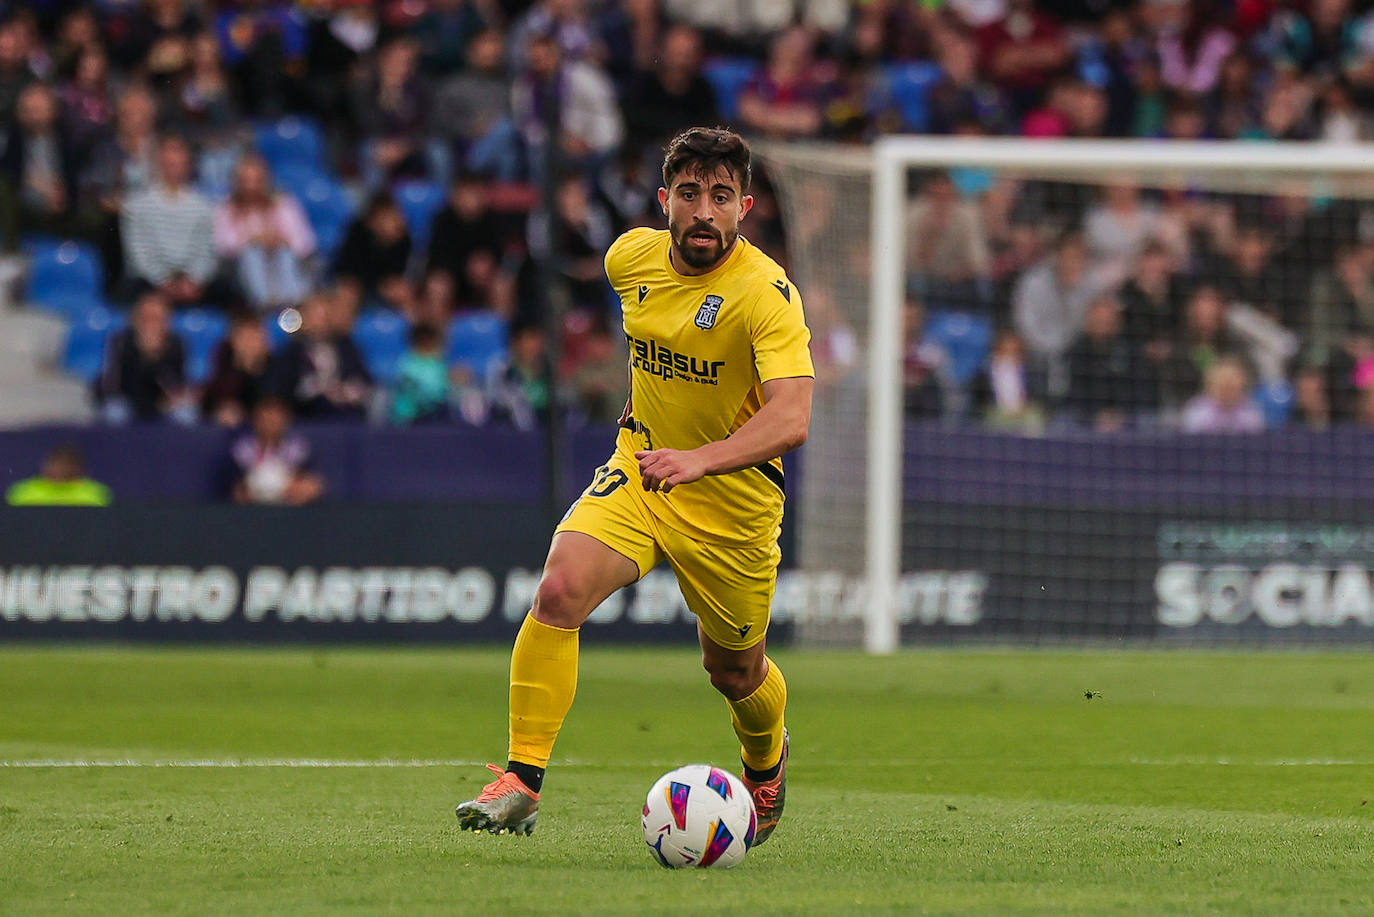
[728,587]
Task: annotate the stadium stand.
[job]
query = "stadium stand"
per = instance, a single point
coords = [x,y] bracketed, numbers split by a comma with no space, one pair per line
[342,121]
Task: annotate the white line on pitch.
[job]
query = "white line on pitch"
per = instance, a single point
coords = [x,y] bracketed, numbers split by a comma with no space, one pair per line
[290,762]
[1232,762]
[235,762]
[420,763]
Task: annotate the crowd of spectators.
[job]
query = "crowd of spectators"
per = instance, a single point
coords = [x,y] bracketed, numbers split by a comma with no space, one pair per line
[1108,306]
[130,123]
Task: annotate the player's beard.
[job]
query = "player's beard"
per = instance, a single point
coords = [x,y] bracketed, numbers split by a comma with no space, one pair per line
[701,257]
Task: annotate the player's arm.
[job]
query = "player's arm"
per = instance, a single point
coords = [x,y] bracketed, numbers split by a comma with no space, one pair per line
[780,426]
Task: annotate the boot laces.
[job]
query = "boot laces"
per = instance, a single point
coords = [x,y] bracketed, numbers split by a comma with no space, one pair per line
[504,784]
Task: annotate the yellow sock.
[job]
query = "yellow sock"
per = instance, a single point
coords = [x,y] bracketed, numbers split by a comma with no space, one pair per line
[758,721]
[543,680]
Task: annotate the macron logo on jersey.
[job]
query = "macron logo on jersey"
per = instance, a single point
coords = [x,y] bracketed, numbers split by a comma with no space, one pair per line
[643,292]
[782,287]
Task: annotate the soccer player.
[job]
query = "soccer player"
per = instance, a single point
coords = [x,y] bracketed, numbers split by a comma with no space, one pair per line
[720,388]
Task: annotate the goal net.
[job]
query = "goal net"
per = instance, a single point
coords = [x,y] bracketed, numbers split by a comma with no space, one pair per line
[1083,390]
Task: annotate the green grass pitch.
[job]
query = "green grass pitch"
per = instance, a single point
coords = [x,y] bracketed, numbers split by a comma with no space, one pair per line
[936,782]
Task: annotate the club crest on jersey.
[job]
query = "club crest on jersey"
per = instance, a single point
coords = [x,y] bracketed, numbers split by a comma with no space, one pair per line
[706,315]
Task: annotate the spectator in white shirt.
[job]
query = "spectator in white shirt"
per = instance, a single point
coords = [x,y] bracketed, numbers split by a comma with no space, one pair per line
[169,230]
[1049,303]
[1118,228]
[272,463]
[1005,394]
[1225,405]
[590,126]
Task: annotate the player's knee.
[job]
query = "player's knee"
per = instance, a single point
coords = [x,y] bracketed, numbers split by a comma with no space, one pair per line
[560,601]
[733,680]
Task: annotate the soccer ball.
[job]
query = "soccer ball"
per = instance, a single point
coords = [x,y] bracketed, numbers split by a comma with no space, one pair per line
[699,815]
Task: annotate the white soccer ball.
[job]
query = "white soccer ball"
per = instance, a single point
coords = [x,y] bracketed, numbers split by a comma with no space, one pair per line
[699,815]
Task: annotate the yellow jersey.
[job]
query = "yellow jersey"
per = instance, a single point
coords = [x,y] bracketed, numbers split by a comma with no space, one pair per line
[701,348]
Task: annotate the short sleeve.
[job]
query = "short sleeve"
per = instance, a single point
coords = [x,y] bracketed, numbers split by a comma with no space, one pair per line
[617,261]
[612,262]
[780,337]
[626,254]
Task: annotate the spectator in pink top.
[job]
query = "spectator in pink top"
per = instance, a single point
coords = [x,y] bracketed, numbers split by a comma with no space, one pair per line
[1193,47]
[265,234]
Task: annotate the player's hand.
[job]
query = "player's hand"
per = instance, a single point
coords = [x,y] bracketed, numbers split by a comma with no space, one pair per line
[664,469]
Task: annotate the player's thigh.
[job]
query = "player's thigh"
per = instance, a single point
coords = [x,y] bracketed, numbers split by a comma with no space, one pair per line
[579,573]
[728,587]
[603,543]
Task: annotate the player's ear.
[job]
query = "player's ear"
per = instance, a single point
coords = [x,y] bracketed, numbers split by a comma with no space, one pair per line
[746,204]
[663,200]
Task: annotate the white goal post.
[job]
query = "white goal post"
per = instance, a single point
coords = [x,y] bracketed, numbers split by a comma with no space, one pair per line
[1238,165]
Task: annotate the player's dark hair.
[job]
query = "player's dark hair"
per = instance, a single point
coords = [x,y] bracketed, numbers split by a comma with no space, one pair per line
[703,150]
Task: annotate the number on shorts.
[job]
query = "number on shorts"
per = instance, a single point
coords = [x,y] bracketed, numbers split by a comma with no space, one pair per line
[607,480]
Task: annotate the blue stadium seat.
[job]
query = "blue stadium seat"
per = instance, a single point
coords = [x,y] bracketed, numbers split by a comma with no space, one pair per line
[966,337]
[73,308]
[727,76]
[65,276]
[477,342]
[909,86]
[419,202]
[1275,401]
[383,337]
[84,354]
[201,330]
[296,177]
[330,209]
[291,140]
